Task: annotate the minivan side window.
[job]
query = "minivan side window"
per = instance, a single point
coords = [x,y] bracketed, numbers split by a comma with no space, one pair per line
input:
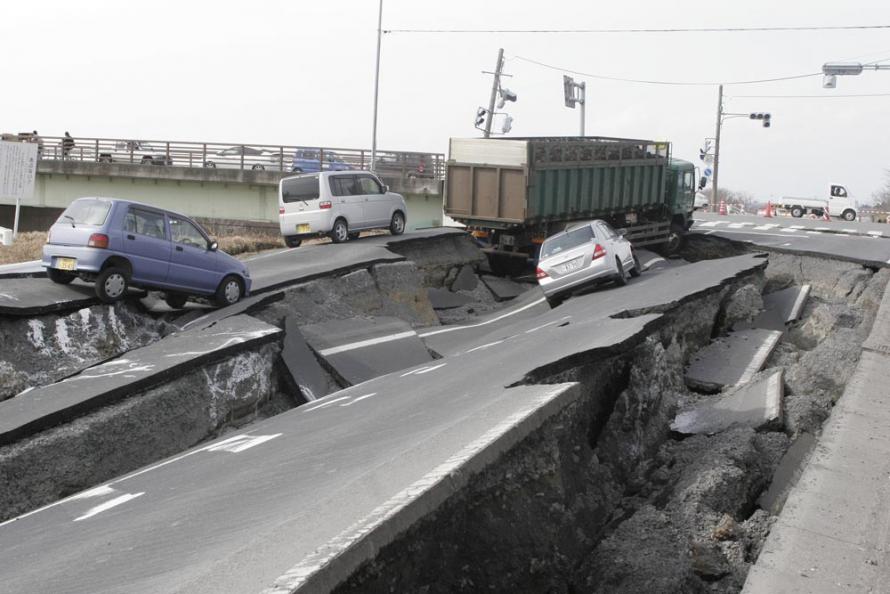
[369,185]
[145,222]
[342,185]
[300,188]
[186,233]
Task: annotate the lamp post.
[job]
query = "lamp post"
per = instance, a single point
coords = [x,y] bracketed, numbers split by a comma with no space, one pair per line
[832,70]
[376,88]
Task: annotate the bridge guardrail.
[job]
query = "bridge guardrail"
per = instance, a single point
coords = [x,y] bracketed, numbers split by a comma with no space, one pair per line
[234,155]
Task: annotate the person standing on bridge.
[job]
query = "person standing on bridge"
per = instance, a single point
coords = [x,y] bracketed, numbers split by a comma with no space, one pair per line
[35,137]
[67,145]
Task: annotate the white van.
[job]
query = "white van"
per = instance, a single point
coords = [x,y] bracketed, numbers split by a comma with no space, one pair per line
[338,204]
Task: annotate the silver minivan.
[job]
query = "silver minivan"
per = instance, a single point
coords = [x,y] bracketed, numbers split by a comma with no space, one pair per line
[338,204]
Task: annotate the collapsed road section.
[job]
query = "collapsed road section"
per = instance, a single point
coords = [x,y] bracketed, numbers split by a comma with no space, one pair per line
[534,450]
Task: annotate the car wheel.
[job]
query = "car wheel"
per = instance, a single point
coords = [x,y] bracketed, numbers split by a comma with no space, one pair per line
[397,224]
[621,279]
[353,235]
[210,164]
[176,300]
[229,292]
[340,232]
[292,242]
[849,215]
[297,170]
[59,276]
[796,212]
[637,269]
[111,284]
[258,167]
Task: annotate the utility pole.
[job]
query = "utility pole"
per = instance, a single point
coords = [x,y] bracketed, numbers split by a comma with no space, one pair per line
[714,186]
[495,85]
[376,88]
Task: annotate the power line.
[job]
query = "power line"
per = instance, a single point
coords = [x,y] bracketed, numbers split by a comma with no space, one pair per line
[665,82]
[674,30]
[807,96]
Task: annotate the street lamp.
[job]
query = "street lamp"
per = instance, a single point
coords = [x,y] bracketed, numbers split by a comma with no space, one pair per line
[832,70]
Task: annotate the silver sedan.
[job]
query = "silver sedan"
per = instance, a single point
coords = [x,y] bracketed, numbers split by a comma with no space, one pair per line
[584,254]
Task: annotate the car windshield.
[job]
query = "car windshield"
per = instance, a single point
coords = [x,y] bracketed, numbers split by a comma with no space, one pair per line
[300,188]
[86,212]
[560,243]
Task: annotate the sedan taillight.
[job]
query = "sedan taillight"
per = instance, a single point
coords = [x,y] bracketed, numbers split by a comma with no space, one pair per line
[598,252]
[540,273]
[98,240]
[325,204]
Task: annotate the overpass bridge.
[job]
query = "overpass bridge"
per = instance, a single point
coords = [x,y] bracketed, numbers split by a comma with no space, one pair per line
[224,184]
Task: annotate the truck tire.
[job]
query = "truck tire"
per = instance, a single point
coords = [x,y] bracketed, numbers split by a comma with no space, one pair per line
[796,212]
[849,215]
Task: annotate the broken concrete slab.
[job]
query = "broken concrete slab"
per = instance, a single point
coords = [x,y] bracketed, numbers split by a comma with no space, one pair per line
[466,279]
[33,268]
[202,319]
[757,404]
[361,349]
[731,360]
[445,299]
[503,288]
[31,296]
[788,303]
[40,408]
[787,474]
[300,361]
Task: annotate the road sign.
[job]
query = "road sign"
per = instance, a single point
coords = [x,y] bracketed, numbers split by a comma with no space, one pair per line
[18,168]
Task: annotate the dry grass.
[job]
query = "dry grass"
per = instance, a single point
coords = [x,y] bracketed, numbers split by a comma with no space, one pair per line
[29,246]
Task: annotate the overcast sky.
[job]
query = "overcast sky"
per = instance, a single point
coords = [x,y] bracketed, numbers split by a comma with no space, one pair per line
[301,72]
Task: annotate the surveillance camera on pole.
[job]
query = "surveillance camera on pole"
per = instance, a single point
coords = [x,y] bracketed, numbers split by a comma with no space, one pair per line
[508,125]
[505,95]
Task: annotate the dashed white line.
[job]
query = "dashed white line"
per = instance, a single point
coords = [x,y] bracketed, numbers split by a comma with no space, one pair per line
[366,343]
[486,322]
[359,399]
[788,230]
[796,227]
[328,403]
[876,233]
[422,370]
[562,319]
[109,504]
[485,346]
[853,231]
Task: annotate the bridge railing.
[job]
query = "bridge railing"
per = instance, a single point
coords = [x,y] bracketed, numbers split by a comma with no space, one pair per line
[284,158]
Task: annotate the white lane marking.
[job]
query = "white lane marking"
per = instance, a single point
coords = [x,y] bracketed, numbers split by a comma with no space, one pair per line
[709,232]
[284,251]
[109,504]
[876,233]
[94,492]
[788,230]
[328,403]
[762,234]
[114,482]
[796,227]
[710,224]
[359,399]
[760,357]
[654,260]
[823,228]
[764,227]
[853,231]
[737,225]
[366,343]
[422,370]
[814,232]
[239,443]
[798,303]
[485,346]
[785,244]
[486,322]
[562,319]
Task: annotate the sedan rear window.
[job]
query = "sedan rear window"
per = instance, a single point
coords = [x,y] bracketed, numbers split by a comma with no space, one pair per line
[571,239]
[300,188]
[86,212]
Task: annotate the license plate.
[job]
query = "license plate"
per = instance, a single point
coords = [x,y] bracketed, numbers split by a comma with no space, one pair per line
[304,228]
[570,266]
[66,263]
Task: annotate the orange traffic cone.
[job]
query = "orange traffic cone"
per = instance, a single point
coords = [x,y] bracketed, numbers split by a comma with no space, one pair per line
[769,210]
[825,215]
[723,207]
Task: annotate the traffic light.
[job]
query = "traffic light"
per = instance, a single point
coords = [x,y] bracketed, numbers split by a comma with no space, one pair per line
[764,117]
[481,113]
[701,154]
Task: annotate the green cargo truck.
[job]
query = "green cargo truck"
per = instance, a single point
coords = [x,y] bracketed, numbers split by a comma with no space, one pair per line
[514,192]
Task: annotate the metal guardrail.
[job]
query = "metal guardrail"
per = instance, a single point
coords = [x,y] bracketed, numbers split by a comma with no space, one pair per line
[223,155]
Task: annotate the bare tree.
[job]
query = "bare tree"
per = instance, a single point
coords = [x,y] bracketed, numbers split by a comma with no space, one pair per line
[881,197]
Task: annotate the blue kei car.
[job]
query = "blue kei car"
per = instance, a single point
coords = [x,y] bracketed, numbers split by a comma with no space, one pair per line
[118,243]
[314,160]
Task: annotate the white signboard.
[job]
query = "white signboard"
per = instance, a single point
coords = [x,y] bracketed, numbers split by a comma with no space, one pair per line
[18,168]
